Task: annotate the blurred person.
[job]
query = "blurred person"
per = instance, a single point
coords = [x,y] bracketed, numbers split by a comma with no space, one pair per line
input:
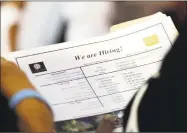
[161,103]
[46,23]
[10,13]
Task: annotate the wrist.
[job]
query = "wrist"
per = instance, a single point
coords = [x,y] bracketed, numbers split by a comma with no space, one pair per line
[10,85]
[28,100]
[35,114]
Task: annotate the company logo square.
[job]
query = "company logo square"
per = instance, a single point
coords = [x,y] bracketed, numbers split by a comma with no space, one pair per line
[37,67]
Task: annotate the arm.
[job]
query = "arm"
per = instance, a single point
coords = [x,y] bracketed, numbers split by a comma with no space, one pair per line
[34,115]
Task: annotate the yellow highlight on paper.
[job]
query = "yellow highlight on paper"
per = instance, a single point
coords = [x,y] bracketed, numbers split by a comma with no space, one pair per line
[151,40]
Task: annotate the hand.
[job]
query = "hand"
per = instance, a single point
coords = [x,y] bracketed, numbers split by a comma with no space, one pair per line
[12,79]
[107,125]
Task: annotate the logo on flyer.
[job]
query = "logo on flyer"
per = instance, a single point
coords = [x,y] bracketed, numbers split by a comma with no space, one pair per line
[37,67]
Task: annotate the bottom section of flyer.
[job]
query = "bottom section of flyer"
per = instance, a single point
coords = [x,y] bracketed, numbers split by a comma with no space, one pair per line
[86,124]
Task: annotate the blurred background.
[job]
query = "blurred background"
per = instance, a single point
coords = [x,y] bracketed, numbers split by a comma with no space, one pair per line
[26,25]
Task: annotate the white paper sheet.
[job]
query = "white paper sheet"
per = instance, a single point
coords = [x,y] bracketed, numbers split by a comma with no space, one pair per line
[97,76]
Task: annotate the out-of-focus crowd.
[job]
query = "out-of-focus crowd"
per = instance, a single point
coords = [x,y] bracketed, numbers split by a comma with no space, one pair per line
[26,25]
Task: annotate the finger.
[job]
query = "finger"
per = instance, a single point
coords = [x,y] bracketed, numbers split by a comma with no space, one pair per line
[110,117]
[105,127]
